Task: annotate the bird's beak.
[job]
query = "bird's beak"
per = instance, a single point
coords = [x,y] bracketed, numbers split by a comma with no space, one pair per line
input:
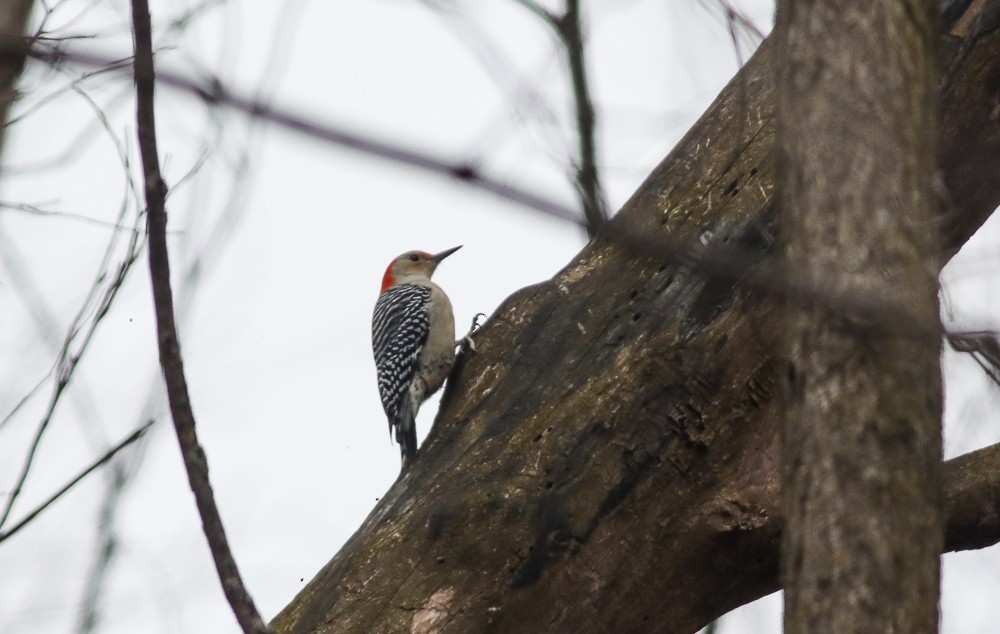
[437,257]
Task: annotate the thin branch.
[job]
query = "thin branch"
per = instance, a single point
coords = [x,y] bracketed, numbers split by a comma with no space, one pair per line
[723,261]
[569,29]
[104,553]
[195,461]
[35,210]
[68,360]
[523,101]
[539,11]
[24,399]
[215,92]
[111,453]
[983,347]
[187,285]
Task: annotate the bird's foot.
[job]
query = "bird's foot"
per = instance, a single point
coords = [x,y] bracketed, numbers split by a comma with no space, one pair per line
[466,342]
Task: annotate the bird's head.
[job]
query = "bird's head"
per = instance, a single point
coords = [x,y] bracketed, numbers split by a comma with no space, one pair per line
[413,265]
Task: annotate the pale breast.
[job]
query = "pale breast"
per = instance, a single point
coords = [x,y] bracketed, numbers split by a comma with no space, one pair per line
[439,352]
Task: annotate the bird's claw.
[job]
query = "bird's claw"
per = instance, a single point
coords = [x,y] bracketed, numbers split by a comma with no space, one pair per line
[466,342]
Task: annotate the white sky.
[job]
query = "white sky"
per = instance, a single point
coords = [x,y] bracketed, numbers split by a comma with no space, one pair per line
[277,342]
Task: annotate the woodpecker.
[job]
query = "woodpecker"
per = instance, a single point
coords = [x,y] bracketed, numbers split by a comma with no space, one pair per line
[413,339]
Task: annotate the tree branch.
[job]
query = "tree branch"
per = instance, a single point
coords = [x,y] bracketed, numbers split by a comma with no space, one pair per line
[983,347]
[972,500]
[609,459]
[80,334]
[569,29]
[215,92]
[195,461]
[707,251]
[111,453]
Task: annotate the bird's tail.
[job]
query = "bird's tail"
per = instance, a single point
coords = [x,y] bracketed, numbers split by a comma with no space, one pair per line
[406,432]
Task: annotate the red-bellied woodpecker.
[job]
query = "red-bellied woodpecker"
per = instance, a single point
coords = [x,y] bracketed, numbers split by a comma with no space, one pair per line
[413,338]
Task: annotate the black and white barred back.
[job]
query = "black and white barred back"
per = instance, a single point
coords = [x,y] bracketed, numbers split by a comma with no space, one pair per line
[400,326]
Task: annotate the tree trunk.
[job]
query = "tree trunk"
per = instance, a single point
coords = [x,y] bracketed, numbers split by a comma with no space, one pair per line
[857,130]
[608,460]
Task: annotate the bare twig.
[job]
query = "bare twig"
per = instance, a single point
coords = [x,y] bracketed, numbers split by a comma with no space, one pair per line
[111,453]
[195,461]
[569,29]
[721,261]
[69,359]
[24,399]
[525,102]
[35,210]
[727,262]
[187,284]
[539,11]
[215,92]
[104,552]
[983,347]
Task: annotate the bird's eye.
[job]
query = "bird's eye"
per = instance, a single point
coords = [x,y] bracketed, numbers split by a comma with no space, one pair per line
[414,258]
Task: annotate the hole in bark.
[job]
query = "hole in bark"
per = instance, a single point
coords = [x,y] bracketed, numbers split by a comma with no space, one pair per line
[538,437]
[633,294]
[637,316]
[753,171]
[721,342]
[732,189]
[548,485]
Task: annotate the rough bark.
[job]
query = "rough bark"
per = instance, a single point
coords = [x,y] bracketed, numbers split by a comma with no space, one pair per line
[608,461]
[13,23]
[857,130]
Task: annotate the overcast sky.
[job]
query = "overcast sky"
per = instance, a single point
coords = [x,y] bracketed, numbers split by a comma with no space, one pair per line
[293,236]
